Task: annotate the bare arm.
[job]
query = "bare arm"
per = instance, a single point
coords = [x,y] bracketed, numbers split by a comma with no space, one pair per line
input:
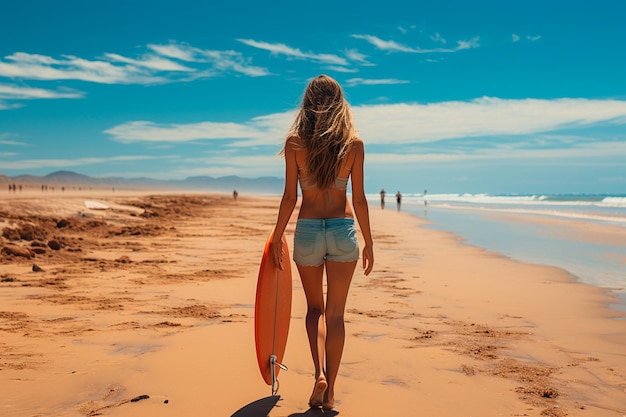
[361,210]
[287,203]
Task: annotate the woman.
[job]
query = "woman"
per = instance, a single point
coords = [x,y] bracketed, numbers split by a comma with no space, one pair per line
[321,153]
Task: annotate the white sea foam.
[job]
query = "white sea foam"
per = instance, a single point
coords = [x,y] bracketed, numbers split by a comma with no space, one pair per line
[584,207]
[619,219]
[615,201]
[540,200]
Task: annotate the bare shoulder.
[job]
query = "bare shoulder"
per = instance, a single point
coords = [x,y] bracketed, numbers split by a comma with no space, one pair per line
[294,142]
[358,147]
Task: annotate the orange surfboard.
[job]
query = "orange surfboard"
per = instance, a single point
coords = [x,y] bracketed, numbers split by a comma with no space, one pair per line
[272,313]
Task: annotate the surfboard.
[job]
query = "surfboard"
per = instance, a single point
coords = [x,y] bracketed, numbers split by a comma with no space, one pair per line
[272,313]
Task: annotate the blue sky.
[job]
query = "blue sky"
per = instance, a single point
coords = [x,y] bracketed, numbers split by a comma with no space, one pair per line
[452,96]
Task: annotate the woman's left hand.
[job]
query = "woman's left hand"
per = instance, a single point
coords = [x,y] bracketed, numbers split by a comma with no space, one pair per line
[368,259]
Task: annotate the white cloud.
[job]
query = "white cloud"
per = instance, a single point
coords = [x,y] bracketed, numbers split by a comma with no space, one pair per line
[405,30]
[6,139]
[181,52]
[10,92]
[232,164]
[144,131]
[385,45]
[414,123]
[404,124]
[16,92]
[222,60]
[242,68]
[6,106]
[262,130]
[12,143]
[515,37]
[356,56]
[282,49]
[470,44]
[485,129]
[381,81]
[499,152]
[150,62]
[438,38]
[393,46]
[534,38]
[39,67]
[112,68]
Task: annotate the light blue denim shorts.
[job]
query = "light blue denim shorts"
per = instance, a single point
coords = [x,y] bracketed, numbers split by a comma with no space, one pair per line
[318,240]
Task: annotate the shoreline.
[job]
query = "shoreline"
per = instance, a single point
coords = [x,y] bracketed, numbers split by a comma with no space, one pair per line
[593,252]
[440,326]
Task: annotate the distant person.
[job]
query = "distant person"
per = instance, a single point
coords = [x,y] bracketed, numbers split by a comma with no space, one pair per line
[399,199]
[235,195]
[425,202]
[382,199]
[322,153]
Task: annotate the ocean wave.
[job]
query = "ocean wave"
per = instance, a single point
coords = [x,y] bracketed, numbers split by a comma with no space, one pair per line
[580,215]
[615,201]
[541,200]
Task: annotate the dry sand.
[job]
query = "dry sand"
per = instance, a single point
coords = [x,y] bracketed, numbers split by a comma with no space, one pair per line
[154,297]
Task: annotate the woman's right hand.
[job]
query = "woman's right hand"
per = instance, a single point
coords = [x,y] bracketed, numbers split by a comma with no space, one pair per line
[276,249]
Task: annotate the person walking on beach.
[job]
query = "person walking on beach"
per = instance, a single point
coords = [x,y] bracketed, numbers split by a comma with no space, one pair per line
[399,199]
[322,152]
[382,199]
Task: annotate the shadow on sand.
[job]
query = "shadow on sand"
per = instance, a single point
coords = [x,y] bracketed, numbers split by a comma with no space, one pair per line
[262,407]
[258,408]
[316,412]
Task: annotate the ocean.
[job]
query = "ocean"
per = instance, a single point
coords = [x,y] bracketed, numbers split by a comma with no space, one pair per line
[584,235]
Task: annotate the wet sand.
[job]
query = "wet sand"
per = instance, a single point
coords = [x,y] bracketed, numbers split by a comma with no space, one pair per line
[154,297]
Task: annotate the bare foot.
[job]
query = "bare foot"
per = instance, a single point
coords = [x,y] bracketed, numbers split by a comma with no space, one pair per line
[329,401]
[317,397]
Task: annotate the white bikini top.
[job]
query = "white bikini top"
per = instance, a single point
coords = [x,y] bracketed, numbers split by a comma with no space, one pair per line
[307,185]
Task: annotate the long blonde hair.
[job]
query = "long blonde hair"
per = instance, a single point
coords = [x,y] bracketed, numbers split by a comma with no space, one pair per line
[325,128]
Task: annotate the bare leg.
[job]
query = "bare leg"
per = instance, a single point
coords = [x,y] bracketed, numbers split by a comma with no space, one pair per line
[312,280]
[339,276]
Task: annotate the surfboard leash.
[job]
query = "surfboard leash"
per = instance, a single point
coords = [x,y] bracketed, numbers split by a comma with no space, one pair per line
[273,358]
[273,364]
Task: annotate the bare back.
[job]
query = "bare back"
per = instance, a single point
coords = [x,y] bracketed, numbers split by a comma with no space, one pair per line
[329,203]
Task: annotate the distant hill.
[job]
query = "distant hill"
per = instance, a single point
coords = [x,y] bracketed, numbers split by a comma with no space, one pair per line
[263,185]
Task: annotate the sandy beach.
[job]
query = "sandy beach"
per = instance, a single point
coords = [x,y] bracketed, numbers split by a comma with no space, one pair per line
[146,309]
